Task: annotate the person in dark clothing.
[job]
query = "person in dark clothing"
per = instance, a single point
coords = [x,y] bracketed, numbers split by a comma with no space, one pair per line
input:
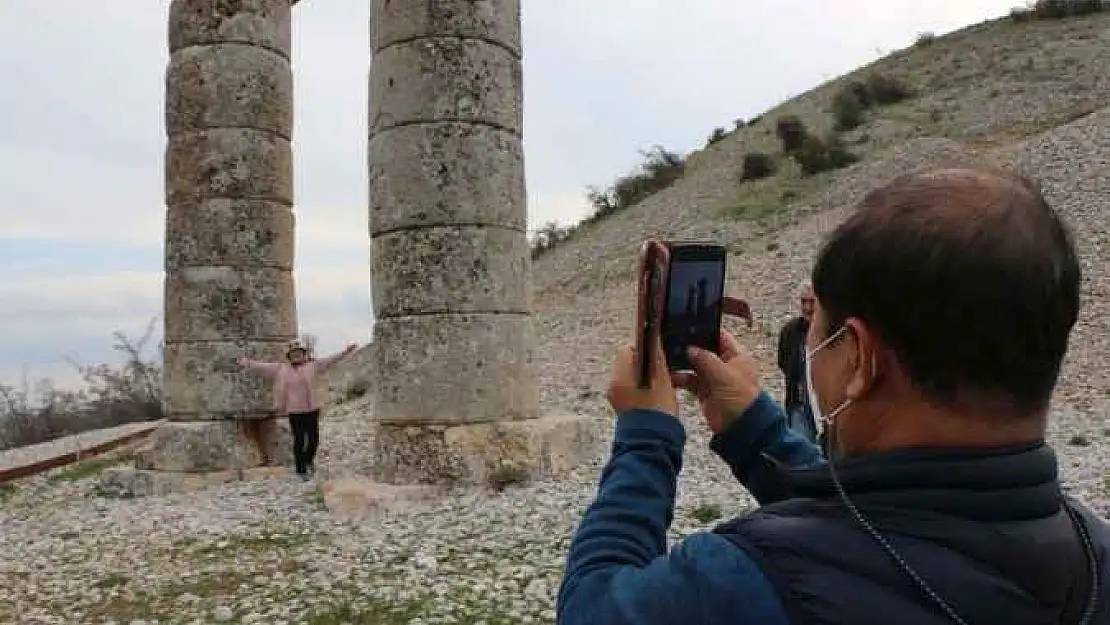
[791,360]
[943,311]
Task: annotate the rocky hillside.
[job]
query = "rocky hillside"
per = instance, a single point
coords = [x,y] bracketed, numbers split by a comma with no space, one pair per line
[1031,95]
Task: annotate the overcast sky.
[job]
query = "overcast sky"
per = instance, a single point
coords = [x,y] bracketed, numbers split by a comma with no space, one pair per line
[82,138]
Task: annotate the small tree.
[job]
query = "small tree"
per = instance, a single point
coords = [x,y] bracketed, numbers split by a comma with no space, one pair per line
[717,135]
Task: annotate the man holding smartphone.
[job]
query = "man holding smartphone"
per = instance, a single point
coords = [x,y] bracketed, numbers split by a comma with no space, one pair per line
[791,361]
[942,313]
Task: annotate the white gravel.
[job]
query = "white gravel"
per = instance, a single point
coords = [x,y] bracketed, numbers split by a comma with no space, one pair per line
[267,552]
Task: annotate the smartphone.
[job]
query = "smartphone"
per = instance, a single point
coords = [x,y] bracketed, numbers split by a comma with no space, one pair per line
[654,257]
[693,301]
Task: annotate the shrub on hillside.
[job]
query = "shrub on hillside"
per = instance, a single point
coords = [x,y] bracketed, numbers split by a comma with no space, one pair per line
[114,394]
[885,89]
[925,39]
[791,133]
[717,135]
[757,165]
[548,236]
[847,109]
[1058,9]
[660,169]
[817,155]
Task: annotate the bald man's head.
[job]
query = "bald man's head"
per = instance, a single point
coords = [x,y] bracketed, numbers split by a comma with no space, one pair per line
[968,277]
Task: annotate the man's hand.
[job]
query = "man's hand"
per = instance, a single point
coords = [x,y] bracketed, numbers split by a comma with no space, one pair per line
[725,386]
[241,361]
[624,392]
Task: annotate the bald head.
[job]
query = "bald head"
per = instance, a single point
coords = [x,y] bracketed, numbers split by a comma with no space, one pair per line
[968,277]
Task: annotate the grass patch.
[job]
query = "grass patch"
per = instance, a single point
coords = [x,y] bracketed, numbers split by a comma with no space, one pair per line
[81,470]
[760,199]
[707,513]
[112,580]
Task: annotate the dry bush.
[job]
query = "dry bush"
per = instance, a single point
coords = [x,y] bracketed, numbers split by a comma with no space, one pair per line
[757,165]
[817,155]
[548,236]
[717,135]
[114,394]
[791,132]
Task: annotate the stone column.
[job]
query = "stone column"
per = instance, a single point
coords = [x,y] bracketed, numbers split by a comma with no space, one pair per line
[456,397]
[229,232]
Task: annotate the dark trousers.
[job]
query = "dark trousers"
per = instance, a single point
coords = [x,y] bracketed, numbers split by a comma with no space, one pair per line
[306,438]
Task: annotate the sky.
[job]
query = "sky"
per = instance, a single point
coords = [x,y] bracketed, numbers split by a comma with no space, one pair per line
[82,136]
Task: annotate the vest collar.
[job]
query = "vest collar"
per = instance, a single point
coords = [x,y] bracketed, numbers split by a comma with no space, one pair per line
[1000,484]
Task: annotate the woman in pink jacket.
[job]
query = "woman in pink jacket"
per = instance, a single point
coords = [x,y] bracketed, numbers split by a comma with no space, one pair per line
[295,396]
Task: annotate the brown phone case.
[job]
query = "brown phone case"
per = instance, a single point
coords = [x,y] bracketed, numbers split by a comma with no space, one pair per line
[654,263]
[652,280]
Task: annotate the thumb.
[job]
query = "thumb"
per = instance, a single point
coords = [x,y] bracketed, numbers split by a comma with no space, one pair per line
[707,364]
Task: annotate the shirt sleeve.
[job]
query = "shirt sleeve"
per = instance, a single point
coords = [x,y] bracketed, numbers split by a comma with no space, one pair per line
[759,440]
[618,569]
[267,369]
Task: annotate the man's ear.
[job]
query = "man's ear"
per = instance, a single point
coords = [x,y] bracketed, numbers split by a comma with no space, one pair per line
[864,365]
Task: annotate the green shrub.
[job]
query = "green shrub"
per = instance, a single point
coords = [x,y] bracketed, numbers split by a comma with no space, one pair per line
[885,89]
[718,134]
[791,132]
[925,39]
[1021,15]
[757,165]
[548,236]
[817,155]
[847,109]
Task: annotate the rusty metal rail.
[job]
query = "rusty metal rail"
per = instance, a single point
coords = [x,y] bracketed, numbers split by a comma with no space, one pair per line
[61,460]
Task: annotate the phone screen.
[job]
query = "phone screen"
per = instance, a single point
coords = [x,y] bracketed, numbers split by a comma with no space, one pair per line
[695,288]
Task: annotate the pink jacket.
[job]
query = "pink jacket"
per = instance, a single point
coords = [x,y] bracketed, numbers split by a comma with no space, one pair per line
[294,387]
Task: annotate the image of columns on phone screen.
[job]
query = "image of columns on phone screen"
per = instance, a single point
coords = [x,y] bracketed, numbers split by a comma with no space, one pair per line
[693,308]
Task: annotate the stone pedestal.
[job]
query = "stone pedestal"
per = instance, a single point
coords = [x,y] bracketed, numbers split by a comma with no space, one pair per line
[490,455]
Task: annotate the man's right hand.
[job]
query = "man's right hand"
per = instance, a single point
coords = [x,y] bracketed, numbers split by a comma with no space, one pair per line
[725,385]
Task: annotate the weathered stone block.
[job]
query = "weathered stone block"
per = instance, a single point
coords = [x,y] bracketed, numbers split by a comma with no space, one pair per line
[450,269]
[491,455]
[229,163]
[428,80]
[229,85]
[227,303]
[400,20]
[126,482]
[454,369]
[202,380]
[201,446]
[265,23]
[238,233]
[445,174]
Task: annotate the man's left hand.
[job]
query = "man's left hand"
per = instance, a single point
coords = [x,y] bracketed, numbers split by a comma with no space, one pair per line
[624,392]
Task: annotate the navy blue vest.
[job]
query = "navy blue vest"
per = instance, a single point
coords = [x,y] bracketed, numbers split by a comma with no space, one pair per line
[988,533]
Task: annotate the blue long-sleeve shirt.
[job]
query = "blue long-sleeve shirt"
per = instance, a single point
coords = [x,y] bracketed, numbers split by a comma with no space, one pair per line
[619,570]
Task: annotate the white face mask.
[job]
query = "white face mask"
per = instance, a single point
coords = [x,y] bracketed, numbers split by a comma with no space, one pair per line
[814,402]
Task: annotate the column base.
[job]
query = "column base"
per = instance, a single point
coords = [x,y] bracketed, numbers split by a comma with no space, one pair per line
[213,446]
[488,455]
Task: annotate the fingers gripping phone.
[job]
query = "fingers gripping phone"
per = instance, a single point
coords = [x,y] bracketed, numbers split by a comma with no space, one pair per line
[681,301]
